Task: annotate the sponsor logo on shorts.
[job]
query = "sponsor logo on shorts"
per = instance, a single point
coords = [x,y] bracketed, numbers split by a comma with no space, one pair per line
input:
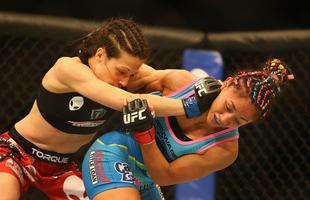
[92,170]
[48,157]
[123,169]
[31,172]
[74,188]
[16,168]
[96,168]
[145,186]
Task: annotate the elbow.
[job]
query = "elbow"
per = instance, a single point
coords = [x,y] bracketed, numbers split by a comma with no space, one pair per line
[163,182]
[164,179]
[230,160]
[233,157]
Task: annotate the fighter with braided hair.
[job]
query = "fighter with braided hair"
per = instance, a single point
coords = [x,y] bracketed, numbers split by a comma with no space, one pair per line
[265,84]
[79,97]
[171,150]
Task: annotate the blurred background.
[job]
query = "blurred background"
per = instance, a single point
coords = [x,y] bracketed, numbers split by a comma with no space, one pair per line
[218,36]
[204,15]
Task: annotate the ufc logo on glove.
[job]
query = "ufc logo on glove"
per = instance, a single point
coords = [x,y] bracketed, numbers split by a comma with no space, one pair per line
[131,117]
[200,87]
[138,120]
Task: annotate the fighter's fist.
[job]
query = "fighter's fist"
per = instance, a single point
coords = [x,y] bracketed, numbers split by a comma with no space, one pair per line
[206,90]
[138,119]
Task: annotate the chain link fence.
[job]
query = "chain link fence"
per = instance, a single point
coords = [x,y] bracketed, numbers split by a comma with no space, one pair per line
[273,162]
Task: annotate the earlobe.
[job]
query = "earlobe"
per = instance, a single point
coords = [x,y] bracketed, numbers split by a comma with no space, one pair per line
[227,82]
[223,85]
[100,53]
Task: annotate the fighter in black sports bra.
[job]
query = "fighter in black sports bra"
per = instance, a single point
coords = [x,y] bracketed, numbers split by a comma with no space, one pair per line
[74,113]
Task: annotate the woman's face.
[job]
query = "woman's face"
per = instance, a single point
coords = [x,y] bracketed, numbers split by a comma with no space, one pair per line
[115,71]
[231,109]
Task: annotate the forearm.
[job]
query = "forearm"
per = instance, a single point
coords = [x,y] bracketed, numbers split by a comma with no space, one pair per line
[115,97]
[158,168]
[164,106]
[143,131]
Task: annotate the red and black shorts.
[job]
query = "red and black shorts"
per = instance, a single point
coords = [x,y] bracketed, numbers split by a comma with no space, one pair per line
[53,173]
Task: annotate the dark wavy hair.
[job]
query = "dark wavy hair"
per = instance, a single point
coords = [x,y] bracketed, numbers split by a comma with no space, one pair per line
[114,35]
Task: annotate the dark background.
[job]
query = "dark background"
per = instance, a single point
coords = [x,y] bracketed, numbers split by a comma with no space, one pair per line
[273,161]
[203,15]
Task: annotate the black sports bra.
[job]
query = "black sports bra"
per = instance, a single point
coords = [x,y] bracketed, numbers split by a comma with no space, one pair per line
[74,113]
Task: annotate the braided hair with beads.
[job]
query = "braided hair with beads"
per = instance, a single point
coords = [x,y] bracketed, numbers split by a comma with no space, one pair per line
[264,85]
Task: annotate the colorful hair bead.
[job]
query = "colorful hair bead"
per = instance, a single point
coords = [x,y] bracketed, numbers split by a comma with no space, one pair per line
[264,85]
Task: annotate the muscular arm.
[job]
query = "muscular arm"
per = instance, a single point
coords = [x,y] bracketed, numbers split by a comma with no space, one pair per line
[188,167]
[78,77]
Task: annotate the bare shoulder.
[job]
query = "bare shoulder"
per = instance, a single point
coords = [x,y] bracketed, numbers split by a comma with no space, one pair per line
[65,72]
[177,78]
[182,74]
[66,62]
[70,67]
[168,75]
[168,80]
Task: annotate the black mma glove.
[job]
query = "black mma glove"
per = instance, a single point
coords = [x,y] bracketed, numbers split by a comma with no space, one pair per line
[138,119]
[206,90]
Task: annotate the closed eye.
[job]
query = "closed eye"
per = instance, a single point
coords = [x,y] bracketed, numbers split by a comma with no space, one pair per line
[228,107]
[121,72]
[237,121]
[231,108]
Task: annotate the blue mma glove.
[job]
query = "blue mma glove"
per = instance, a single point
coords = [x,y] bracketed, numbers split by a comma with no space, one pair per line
[206,90]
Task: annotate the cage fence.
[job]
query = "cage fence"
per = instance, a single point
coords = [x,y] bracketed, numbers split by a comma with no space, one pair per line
[273,161]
